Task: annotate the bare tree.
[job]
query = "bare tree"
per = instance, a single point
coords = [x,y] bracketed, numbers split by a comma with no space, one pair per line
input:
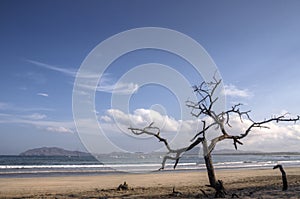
[204,109]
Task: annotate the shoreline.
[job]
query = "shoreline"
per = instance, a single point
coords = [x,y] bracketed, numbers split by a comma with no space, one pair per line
[153,185]
[77,173]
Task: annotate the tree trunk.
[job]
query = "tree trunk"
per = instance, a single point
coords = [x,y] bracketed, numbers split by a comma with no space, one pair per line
[210,170]
[209,165]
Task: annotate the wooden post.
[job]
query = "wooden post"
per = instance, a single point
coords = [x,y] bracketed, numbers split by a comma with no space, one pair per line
[284,179]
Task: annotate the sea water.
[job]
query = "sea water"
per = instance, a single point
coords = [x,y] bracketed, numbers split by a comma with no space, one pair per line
[27,166]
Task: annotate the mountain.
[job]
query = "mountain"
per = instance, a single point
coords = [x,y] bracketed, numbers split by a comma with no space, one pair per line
[52,151]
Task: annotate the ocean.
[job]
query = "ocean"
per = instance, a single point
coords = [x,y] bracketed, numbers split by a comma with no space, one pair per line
[29,166]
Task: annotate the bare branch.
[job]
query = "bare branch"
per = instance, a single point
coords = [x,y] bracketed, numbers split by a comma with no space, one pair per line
[236,110]
[148,130]
[214,142]
[195,143]
[206,91]
[177,152]
[260,124]
[236,139]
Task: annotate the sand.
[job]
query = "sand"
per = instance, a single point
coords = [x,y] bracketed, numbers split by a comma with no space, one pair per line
[264,183]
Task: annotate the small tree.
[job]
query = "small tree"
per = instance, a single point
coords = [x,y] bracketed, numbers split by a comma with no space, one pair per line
[220,122]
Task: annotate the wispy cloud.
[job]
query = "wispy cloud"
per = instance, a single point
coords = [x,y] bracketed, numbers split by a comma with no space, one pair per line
[71,72]
[23,88]
[59,129]
[35,116]
[106,84]
[121,88]
[33,76]
[68,72]
[43,94]
[232,91]
[37,120]
[4,106]
[14,108]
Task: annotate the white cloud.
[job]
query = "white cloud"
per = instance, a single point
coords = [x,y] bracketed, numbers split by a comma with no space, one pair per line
[280,136]
[59,129]
[233,91]
[43,94]
[143,117]
[178,132]
[105,118]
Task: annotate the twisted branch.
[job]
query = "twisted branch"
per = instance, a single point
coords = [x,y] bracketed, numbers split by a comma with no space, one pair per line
[177,153]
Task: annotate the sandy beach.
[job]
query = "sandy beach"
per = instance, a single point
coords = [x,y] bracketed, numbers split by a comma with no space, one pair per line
[265,183]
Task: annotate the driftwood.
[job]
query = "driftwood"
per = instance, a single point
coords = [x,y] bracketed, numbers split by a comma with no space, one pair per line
[123,187]
[175,193]
[203,192]
[284,179]
[234,195]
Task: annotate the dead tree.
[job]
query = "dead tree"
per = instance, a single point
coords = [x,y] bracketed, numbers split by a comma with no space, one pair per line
[204,109]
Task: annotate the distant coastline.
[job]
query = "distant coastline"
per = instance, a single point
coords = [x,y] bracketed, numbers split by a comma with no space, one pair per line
[52,151]
[55,151]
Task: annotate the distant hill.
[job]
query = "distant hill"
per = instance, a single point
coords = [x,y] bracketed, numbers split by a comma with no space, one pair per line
[233,151]
[52,151]
[198,150]
[194,151]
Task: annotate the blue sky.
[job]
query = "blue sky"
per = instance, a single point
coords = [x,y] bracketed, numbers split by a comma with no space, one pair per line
[255,45]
